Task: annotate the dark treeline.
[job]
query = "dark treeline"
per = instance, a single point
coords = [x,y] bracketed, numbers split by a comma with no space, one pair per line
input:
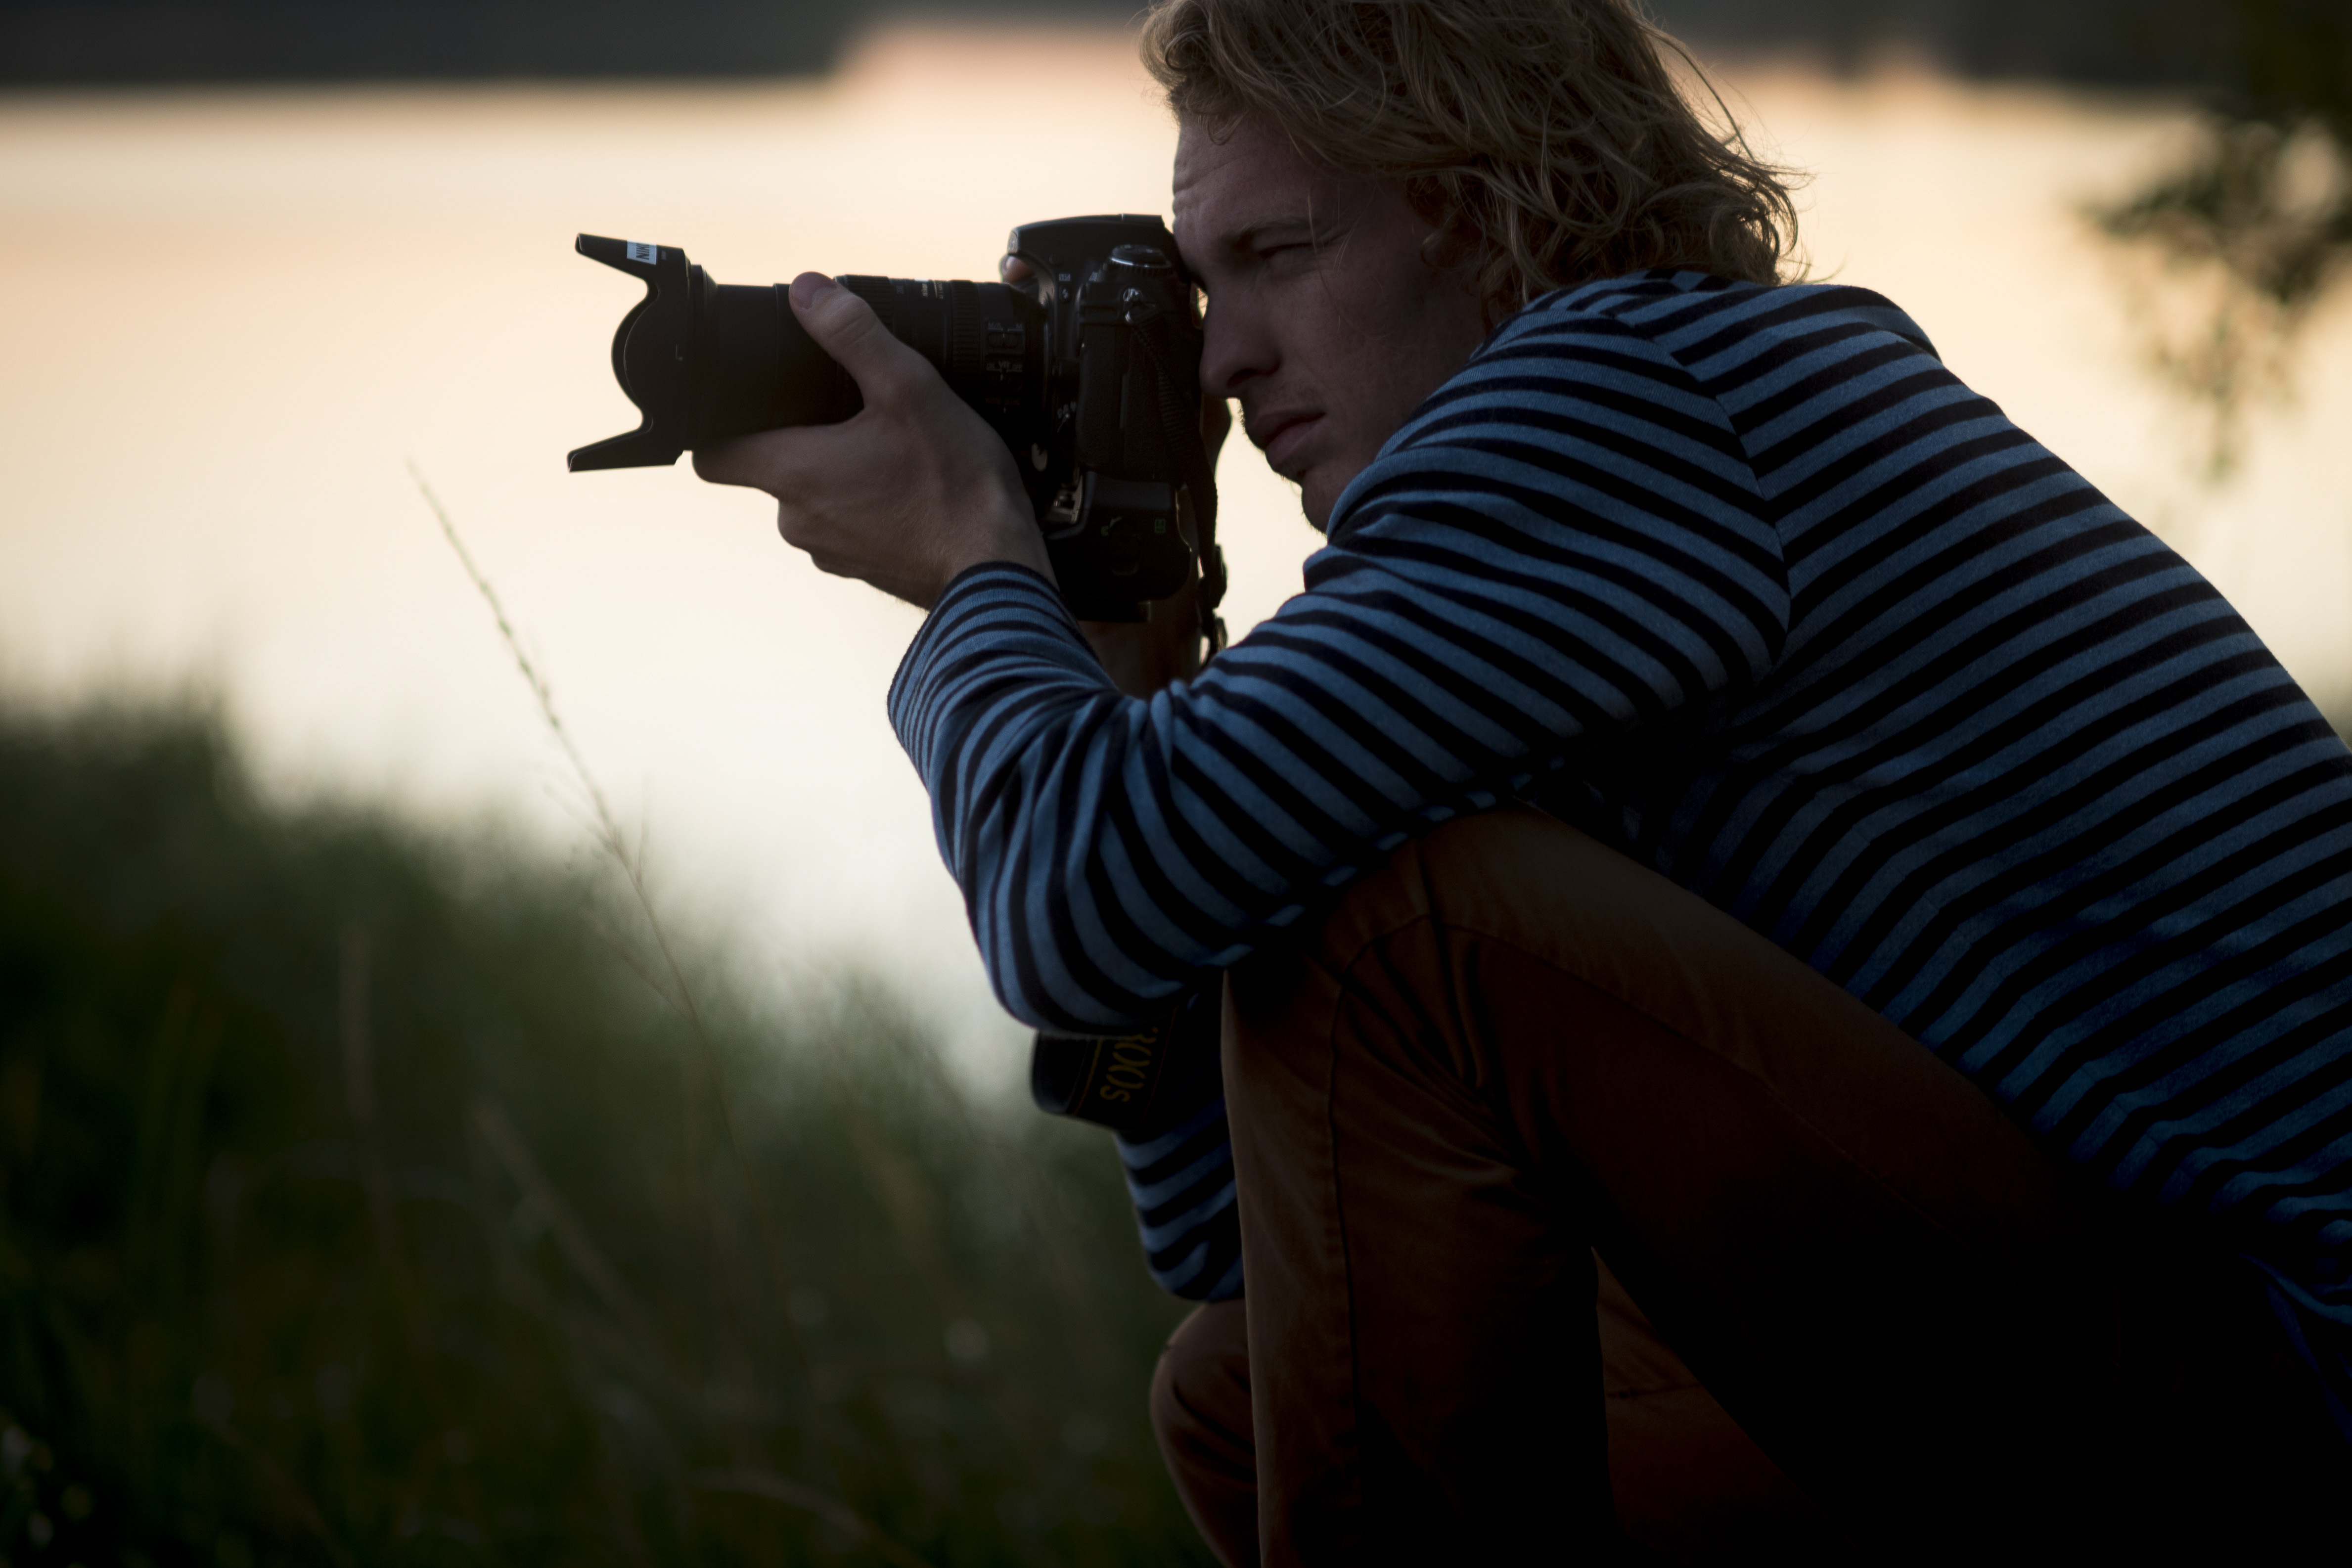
[60,42]
[2103,42]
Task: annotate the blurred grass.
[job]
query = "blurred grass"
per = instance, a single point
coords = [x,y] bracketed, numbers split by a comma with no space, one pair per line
[365,1204]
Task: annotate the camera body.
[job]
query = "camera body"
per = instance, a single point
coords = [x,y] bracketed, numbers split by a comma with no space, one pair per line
[1088,370]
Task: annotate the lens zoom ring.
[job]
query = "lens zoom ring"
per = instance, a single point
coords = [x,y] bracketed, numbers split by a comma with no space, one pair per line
[967,334]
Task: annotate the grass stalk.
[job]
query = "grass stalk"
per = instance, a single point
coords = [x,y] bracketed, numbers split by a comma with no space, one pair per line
[678,992]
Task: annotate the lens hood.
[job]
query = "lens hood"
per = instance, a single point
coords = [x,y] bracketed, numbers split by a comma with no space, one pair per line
[704,360]
[649,356]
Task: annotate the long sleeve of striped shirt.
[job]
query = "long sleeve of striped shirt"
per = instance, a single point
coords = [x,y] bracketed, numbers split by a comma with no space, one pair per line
[1745,582]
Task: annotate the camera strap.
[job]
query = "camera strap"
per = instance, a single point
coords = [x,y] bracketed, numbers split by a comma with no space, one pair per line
[1139,1083]
[1154,1075]
[1180,426]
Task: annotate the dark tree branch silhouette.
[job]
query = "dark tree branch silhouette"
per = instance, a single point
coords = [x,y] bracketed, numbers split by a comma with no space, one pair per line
[2255,220]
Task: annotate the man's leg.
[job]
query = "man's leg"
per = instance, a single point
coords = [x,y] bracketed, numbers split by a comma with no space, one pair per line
[1687,1482]
[1510,1045]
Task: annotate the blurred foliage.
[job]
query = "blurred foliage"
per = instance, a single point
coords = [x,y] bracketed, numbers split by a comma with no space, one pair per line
[364,1204]
[2256,221]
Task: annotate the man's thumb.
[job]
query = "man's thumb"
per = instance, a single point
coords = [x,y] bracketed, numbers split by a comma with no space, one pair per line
[809,288]
[842,325]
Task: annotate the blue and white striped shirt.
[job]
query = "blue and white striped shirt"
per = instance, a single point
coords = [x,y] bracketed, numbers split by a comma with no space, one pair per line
[1743,582]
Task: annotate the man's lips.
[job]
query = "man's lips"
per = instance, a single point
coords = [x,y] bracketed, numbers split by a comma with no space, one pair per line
[1280,435]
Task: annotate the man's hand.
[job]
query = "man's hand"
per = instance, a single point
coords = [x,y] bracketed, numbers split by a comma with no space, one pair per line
[906,496]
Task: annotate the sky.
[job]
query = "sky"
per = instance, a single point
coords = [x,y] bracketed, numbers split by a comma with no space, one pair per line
[234,319]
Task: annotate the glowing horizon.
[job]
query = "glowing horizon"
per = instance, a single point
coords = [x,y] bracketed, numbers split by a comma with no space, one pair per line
[233,315]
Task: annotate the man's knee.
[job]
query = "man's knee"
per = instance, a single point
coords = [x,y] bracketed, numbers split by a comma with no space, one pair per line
[1395,913]
[1201,1415]
[1459,870]
[1513,878]
[1202,1383]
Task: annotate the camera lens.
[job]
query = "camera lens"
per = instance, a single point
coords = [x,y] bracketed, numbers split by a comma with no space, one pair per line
[754,369]
[985,339]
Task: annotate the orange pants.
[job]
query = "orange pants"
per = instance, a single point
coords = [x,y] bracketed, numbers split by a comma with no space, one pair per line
[1510,1049]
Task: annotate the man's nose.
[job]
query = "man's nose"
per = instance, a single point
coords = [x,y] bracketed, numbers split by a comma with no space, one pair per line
[1235,349]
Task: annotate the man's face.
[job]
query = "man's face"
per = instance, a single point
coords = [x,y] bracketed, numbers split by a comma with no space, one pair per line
[1323,318]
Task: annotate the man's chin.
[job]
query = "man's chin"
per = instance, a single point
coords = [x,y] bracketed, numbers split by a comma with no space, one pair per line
[1320,481]
[1320,485]
[1317,500]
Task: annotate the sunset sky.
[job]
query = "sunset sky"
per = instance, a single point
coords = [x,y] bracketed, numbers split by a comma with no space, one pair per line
[231,317]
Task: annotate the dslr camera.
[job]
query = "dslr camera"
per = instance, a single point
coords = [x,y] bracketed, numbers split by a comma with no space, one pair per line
[1089,371]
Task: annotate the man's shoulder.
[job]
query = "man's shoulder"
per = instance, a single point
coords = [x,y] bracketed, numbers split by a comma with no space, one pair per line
[1696,319]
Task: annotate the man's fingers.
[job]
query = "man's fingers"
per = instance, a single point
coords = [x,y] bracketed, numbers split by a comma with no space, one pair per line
[758,461]
[845,327]
[737,462]
[775,461]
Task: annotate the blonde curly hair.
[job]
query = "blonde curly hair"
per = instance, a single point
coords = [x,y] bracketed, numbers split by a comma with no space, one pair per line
[1545,139]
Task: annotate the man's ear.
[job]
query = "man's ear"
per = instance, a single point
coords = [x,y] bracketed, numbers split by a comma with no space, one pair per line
[1458,251]
[1454,244]
[1432,201]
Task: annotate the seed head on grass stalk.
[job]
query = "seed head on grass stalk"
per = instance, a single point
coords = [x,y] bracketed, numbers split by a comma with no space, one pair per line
[679,993]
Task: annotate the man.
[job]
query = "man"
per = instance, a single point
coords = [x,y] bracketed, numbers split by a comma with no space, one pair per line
[1927,981]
